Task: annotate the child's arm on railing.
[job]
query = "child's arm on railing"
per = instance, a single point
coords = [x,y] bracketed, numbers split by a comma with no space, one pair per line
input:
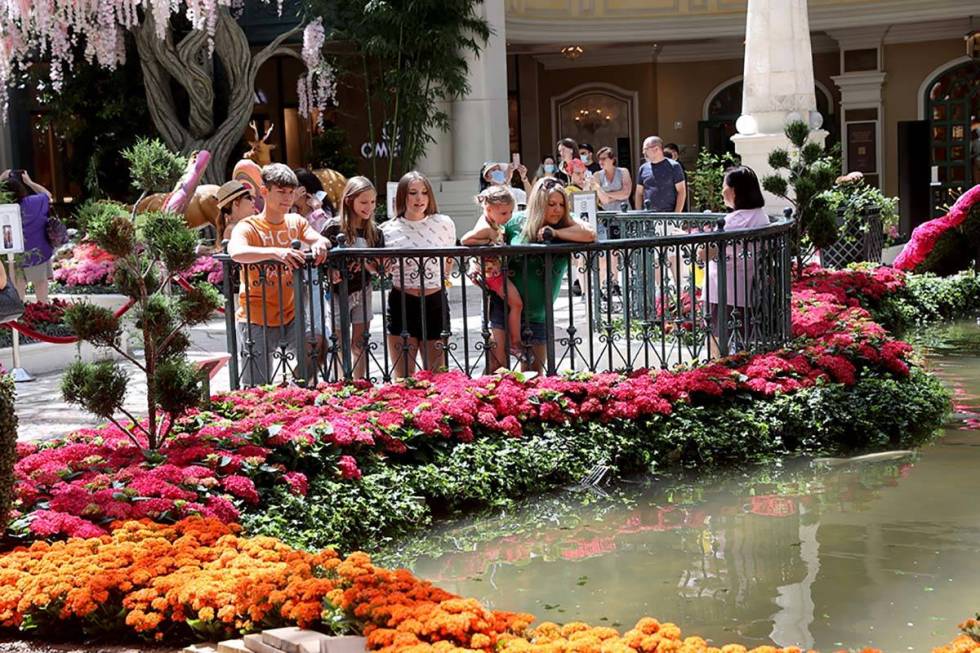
[481,234]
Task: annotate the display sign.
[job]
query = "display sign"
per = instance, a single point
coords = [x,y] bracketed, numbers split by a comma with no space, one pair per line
[11,229]
[584,207]
[862,147]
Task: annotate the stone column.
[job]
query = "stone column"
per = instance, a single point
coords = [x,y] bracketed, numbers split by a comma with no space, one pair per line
[437,164]
[480,131]
[778,86]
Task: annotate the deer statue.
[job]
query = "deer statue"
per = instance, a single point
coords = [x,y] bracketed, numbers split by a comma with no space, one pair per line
[261,150]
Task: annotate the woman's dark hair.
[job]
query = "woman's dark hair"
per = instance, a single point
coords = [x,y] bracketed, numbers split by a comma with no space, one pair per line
[570,144]
[17,186]
[744,183]
[313,185]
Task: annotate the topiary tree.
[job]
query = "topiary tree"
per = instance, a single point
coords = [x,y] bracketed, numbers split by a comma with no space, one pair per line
[148,254]
[809,172]
[152,167]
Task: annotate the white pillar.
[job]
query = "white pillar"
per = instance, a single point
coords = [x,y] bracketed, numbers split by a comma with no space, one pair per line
[437,164]
[778,85]
[480,131]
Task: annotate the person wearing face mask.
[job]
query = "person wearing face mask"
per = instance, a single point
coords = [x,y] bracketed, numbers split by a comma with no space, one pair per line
[587,154]
[501,174]
[546,169]
[741,193]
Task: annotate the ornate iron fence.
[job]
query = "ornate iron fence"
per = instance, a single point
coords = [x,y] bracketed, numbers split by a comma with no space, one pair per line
[650,297]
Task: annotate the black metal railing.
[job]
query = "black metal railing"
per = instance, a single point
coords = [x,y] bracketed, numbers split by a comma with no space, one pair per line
[649,297]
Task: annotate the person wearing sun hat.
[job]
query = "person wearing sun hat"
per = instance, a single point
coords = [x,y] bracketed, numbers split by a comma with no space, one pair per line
[235,202]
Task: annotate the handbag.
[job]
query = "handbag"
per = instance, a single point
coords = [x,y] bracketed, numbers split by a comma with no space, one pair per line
[56,231]
[11,305]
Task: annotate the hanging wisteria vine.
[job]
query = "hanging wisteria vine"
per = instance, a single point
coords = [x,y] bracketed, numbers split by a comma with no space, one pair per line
[318,88]
[50,29]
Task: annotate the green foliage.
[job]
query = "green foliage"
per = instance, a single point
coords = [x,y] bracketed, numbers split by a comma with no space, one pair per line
[177,385]
[112,230]
[8,446]
[397,496]
[147,256]
[91,323]
[956,249]
[152,166]
[97,212]
[196,305]
[167,238]
[6,197]
[331,149]
[99,388]
[705,180]
[929,298]
[851,200]
[809,171]
[130,281]
[410,57]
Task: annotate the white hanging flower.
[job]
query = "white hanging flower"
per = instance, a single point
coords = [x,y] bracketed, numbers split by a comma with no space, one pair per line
[31,29]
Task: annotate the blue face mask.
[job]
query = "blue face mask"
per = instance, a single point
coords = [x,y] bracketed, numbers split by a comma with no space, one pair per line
[498,176]
[586,158]
[549,168]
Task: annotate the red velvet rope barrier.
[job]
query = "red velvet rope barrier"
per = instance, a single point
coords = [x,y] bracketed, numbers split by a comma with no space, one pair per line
[59,340]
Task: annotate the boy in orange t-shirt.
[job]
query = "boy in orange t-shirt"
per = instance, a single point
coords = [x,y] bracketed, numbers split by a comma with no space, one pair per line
[266,302]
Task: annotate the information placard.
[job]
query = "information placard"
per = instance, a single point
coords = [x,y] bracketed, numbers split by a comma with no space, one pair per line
[584,207]
[11,229]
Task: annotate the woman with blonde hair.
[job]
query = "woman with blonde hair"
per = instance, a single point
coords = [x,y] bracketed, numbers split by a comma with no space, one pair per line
[548,218]
[418,307]
[356,222]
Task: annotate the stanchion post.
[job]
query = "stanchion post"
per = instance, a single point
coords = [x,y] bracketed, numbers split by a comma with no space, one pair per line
[19,374]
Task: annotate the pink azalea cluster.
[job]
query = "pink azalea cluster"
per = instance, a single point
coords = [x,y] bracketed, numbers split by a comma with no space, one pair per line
[88,266]
[204,268]
[81,484]
[262,437]
[925,236]
[862,285]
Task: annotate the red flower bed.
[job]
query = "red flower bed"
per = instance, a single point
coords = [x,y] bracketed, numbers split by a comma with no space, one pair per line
[257,439]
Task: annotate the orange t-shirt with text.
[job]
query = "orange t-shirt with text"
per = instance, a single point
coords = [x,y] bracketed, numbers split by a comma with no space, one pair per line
[276,293]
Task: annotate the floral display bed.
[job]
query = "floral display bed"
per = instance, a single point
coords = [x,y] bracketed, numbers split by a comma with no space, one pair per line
[235,508]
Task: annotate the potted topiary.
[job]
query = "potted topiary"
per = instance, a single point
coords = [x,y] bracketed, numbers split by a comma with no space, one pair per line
[864,216]
[810,171]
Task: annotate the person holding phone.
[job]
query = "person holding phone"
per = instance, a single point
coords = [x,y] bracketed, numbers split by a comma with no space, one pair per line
[35,208]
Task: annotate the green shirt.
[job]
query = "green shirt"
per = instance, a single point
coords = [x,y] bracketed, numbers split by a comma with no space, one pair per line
[531,284]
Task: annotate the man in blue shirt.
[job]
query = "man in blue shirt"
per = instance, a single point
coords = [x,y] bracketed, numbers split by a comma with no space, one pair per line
[660,180]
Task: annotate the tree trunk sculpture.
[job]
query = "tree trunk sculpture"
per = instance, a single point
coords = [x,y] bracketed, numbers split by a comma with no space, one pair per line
[190,63]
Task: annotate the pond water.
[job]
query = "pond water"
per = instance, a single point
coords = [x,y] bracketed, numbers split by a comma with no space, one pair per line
[798,553]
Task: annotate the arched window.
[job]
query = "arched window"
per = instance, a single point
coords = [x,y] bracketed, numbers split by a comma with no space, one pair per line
[724,106]
[952,101]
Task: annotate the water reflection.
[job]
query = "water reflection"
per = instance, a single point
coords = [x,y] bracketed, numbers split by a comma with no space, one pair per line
[794,554]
